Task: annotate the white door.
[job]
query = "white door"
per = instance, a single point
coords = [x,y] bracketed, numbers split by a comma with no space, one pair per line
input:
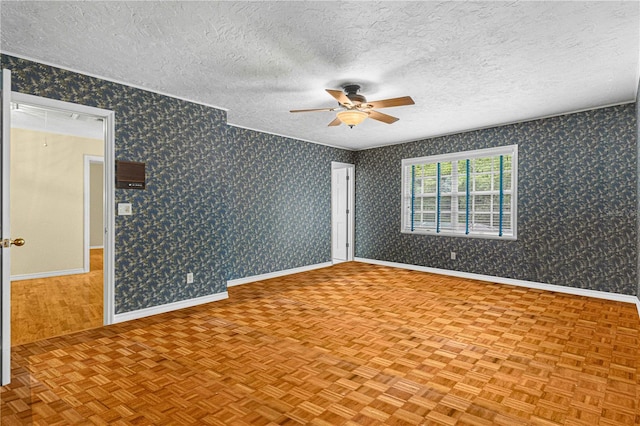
[342,203]
[5,110]
[340,214]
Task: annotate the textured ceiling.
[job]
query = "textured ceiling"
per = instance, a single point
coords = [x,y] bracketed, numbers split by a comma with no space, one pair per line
[467,65]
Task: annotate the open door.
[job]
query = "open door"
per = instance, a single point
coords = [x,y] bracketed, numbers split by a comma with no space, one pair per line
[5,271]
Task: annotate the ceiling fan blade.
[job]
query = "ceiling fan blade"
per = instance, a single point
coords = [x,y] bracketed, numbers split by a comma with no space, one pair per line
[382,117]
[340,96]
[336,122]
[315,109]
[394,102]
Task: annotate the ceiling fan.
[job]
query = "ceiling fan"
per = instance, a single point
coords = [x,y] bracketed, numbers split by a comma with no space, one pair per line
[354,108]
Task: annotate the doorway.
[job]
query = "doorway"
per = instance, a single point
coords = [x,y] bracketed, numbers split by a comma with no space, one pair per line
[61,279]
[342,211]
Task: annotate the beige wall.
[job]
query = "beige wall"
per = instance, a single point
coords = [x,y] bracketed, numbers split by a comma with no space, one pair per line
[47,207]
[96,210]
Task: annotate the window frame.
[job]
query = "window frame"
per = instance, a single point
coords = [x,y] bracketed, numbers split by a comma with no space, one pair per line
[454,157]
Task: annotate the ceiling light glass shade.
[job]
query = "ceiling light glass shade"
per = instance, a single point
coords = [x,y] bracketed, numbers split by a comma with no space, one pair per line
[352,117]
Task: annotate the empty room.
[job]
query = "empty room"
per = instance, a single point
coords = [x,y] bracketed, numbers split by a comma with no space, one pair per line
[320,212]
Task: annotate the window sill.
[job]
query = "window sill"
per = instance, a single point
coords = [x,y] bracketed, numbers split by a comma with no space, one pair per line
[456,234]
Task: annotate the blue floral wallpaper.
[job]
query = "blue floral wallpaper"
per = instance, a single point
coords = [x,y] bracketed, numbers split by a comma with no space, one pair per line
[577,204]
[221,202]
[279,198]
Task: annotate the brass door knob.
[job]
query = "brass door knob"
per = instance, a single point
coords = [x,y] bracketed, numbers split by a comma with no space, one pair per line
[17,242]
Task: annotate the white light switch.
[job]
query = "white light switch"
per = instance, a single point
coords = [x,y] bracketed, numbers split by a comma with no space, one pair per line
[124,209]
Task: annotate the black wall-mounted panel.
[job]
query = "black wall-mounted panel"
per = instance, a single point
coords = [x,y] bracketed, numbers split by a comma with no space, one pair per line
[130,175]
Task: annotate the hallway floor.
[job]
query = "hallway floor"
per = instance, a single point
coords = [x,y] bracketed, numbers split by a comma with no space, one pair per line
[48,307]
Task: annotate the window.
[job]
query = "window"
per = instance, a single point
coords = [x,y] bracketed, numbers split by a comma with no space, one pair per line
[470,193]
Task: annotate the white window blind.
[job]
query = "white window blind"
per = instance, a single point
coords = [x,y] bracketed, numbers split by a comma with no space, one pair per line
[470,193]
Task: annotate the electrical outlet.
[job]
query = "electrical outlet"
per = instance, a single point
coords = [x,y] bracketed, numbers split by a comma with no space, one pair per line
[189,277]
[453,255]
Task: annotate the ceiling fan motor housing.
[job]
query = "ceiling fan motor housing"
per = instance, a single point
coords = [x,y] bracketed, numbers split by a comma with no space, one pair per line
[351,90]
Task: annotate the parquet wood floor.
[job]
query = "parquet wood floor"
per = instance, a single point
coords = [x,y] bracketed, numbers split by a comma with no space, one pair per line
[48,307]
[352,344]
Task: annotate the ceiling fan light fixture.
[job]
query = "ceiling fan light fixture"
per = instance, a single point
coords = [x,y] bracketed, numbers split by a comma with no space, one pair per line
[352,117]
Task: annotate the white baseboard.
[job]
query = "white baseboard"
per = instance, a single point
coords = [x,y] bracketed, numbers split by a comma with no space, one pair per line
[96,247]
[47,274]
[154,310]
[254,278]
[520,283]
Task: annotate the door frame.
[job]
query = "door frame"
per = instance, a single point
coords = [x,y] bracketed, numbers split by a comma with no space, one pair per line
[5,299]
[351,172]
[108,118]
